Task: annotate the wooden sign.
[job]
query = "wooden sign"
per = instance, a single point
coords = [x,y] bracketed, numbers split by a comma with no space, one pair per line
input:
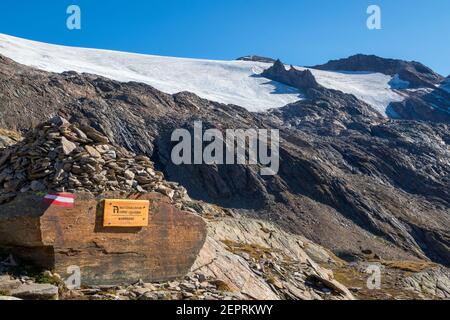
[126,213]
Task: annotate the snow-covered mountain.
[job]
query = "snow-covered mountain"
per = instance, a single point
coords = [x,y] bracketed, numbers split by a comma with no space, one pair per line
[232,82]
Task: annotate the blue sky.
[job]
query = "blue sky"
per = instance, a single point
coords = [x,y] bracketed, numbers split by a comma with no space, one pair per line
[302,32]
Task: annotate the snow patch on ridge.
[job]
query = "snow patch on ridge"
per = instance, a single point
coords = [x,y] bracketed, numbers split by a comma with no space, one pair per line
[373,88]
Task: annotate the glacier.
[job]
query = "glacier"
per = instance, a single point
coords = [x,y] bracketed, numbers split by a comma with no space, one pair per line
[229,82]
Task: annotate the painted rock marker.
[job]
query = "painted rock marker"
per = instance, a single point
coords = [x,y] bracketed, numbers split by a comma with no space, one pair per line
[60,199]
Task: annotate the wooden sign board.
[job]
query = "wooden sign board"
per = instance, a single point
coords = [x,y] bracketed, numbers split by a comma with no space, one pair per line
[126,213]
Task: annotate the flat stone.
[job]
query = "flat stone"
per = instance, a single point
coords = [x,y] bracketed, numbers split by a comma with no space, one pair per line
[149,286]
[140,291]
[93,134]
[36,291]
[67,146]
[80,133]
[93,152]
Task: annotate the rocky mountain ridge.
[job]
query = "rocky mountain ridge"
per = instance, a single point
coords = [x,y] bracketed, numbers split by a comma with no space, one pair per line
[298,79]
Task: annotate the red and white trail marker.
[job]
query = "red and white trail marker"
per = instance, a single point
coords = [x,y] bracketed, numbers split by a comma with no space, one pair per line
[60,199]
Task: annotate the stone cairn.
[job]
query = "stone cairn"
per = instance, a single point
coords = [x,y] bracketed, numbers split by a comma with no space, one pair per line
[62,157]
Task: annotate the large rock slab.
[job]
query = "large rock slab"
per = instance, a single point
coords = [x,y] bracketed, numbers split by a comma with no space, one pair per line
[258,260]
[55,238]
[36,291]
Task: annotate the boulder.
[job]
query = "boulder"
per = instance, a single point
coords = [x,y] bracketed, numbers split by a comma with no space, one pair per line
[302,80]
[56,238]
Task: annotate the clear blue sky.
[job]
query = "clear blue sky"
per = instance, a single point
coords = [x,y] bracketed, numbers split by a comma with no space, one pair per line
[303,32]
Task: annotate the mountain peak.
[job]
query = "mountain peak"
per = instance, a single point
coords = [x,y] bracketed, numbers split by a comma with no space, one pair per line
[295,78]
[256,58]
[417,74]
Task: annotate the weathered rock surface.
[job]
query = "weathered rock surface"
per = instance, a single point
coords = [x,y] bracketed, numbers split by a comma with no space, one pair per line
[433,282]
[260,261]
[295,78]
[55,238]
[36,291]
[399,280]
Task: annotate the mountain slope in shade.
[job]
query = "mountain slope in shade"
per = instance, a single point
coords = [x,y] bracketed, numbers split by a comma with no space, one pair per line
[231,82]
